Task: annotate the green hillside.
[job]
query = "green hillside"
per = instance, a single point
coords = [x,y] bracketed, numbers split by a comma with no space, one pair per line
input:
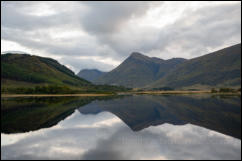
[34,69]
[23,73]
[221,68]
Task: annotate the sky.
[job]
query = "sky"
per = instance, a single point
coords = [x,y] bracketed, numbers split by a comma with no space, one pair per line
[88,35]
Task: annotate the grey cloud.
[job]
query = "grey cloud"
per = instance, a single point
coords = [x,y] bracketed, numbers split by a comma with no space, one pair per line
[16,15]
[67,47]
[209,28]
[109,17]
[102,19]
[110,34]
[68,50]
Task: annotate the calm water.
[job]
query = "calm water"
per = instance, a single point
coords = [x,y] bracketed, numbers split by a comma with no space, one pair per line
[127,127]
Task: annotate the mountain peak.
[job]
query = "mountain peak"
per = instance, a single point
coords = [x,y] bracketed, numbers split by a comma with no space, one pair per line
[137,71]
[136,54]
[14,52]
[92,70]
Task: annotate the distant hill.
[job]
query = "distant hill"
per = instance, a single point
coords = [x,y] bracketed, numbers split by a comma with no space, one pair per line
[90,74]
[221,68]
[36,70]
[139,70]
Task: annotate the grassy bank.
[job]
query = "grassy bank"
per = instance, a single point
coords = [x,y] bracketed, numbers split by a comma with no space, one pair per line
[182,92]
[55,91]
[60,90]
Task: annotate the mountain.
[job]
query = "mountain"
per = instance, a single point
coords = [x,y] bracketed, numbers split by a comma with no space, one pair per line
[90,74]
[139,70]
[221,68]
[218,69]
[27,69]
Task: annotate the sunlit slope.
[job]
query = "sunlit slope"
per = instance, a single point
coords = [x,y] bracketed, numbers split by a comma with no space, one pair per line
[28,69]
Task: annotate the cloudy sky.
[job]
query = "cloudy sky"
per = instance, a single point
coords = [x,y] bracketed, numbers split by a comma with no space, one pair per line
[102,34]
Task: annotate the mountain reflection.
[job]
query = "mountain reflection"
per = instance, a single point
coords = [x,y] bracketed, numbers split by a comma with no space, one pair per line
[130,127]
[105,136]
[33,113]
[222,114]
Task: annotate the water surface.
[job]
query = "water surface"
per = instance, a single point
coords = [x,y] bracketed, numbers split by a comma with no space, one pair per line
[128,127]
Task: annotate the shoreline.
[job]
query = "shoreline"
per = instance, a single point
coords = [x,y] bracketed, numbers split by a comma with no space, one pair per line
[54,95]
[186,92]
[121,93]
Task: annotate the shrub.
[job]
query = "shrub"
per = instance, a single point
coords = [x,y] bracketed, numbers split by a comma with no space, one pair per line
[163,89]
[226,90]
[213,90]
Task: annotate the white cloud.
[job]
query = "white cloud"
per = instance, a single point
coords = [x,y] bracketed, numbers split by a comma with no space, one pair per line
[8,45]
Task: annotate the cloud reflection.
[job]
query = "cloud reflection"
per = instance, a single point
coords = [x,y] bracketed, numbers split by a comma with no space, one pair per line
[105,136]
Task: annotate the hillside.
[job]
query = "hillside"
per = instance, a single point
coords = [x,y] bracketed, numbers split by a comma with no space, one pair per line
[90,74]
[37,70]
[139,70]
[221,68]
[23,73]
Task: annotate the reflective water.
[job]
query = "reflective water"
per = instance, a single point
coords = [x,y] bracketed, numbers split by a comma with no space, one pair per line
[130,127]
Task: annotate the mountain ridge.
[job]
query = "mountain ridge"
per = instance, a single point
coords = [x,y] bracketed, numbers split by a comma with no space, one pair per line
[219,68]
[213,69]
